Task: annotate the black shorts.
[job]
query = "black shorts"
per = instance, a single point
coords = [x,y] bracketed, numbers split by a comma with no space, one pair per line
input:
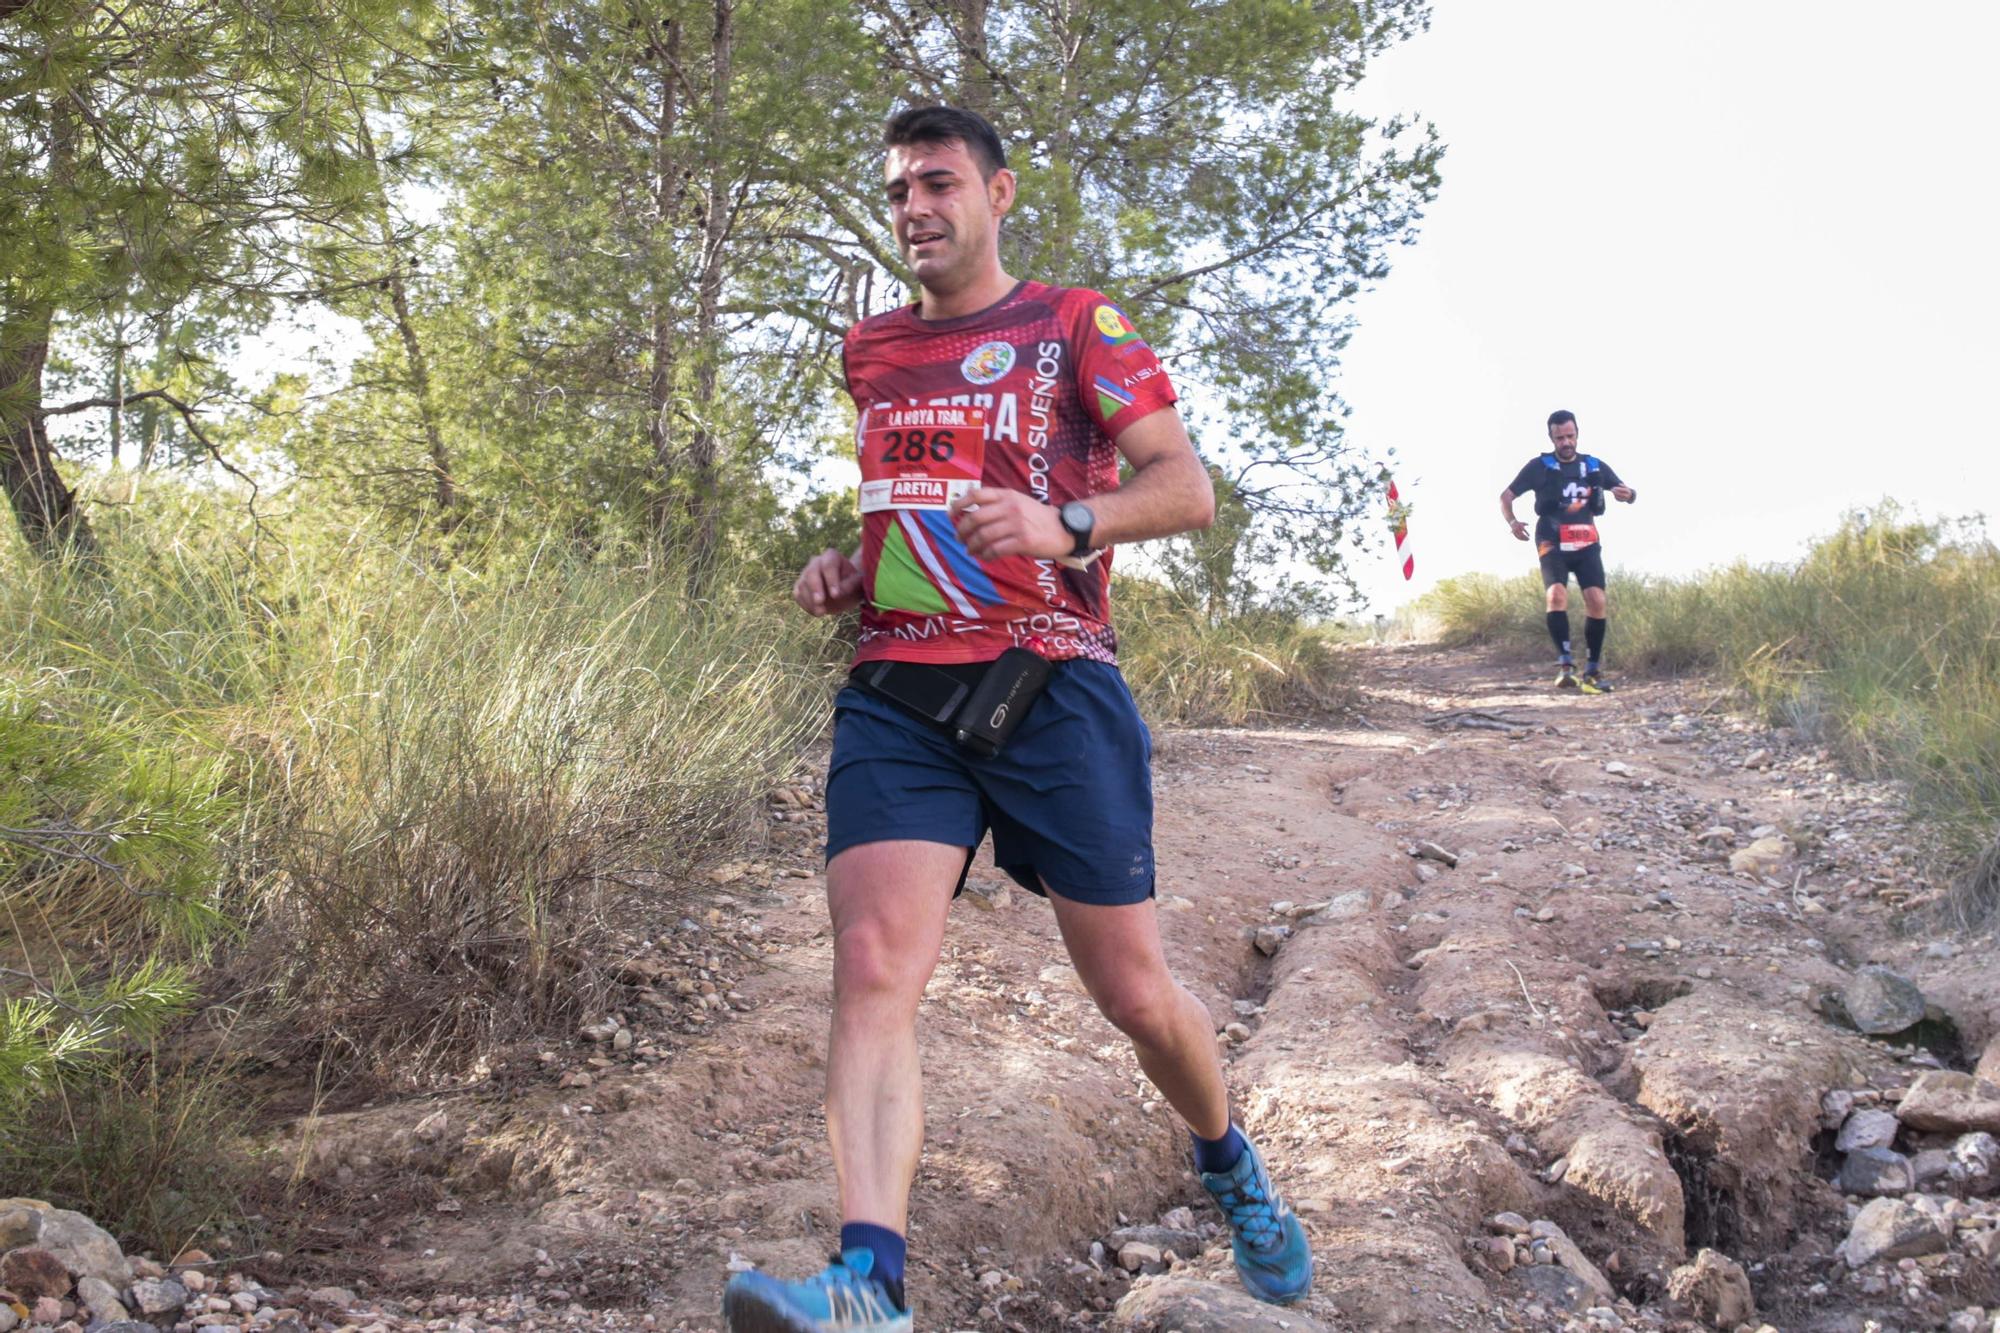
[1558,565]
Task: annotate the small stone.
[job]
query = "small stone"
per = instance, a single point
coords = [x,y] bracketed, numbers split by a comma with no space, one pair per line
[575,1078]
[155,1296]
[1716,833]
[46,1310]
[19,1226]
[1431,851]
[1556,1285]
[1500,1249]
[101,1298]
[621,1040]
[1237,1033]
[1716,1288]
[1765,854]
[8,1319]
[1974,1162]
[195,1280]
[1867,1128]
[1757,759]
[1556,1170]
[598,1032]
[1834,1108]
[1507,1224]
[1269,939]
[1136,1256]
[1929,1166]
[1875,1171]
[1617,769]
[991,895]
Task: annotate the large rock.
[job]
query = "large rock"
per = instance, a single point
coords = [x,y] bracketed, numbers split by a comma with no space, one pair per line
[1716,1288]
[1951,1103]
[85,1248]
[1870,1127]
[1876,1171]
[31,1272]
[1880,1001]
[1166,1303]
[1890,1229]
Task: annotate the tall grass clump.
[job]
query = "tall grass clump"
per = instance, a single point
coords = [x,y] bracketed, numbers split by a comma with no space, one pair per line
[1188,668]
[1883,641]
[401,798]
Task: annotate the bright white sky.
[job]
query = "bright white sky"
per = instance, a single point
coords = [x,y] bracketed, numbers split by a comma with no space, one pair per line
[1752,245]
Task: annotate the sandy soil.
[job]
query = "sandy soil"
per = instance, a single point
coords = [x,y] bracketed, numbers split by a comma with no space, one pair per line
[1587,1019]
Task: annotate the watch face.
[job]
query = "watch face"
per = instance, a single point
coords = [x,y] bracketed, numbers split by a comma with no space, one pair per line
[1077,517]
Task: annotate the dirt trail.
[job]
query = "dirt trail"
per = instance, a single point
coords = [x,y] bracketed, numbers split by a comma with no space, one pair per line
[1587,1019]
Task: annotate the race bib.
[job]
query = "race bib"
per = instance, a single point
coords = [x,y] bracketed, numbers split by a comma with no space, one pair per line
[1576,536]
[920,457]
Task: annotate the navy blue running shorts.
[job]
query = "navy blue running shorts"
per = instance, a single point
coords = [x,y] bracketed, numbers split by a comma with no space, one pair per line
[1069,798]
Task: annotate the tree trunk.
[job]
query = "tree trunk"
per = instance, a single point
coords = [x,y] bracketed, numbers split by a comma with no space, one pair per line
[117,390]
[666,56]
[704,493]
[975,80]
[47,510]
[413,349]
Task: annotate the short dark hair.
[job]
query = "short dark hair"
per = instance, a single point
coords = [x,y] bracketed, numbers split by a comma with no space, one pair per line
[1560,417]
[944,124]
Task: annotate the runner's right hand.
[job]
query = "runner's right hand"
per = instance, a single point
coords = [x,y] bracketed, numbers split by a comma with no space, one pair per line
[1520,530]
[829,584]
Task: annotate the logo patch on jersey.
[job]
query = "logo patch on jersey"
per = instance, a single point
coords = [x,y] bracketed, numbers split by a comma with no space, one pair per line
[1110,398]
[1114,328]
[987,362]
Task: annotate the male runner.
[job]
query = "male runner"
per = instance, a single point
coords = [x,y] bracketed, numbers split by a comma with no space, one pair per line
[1569,493]
[971,545]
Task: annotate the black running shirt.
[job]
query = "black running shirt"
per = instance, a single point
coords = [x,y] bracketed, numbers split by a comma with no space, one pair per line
[1569,492]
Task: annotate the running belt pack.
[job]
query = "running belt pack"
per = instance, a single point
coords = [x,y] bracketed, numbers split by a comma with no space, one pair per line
[979,715]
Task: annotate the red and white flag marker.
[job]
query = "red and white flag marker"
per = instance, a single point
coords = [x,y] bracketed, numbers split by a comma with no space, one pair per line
[1399,523]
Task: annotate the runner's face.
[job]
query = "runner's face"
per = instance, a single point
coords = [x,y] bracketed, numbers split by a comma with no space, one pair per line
[1564,438]
[944,214]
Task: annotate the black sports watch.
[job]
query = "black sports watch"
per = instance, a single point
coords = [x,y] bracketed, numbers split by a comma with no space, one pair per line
[1078,521]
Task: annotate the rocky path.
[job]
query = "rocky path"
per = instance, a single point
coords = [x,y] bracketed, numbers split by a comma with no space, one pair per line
[1534,1001]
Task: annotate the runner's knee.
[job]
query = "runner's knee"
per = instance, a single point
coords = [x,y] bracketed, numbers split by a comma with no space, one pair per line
[1593,601]
[1558,597]
[1145,1012]
[873,962]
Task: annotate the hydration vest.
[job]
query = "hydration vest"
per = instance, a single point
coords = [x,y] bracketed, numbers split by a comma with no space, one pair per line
[1591,467]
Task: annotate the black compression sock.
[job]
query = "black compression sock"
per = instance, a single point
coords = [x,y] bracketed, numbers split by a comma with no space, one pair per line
[1559,631]
[1593,637]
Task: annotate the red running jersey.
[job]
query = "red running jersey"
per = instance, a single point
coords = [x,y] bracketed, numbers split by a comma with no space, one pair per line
[1026,395]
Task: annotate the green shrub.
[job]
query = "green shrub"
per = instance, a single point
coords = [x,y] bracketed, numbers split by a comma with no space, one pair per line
[1187,669]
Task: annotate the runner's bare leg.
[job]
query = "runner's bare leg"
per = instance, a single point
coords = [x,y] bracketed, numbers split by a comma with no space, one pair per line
[1118,955]
[888,901]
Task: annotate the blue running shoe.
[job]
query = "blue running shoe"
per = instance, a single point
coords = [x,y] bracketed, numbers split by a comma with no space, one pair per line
[1272,1256]
[843,1299]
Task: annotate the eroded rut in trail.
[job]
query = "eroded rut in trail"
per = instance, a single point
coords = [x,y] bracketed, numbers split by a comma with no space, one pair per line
[1588,1020]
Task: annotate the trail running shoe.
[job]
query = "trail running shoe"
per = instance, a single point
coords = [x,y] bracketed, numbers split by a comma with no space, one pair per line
[843,1299]
[1565,676]
[1272,1256]
[1592,683]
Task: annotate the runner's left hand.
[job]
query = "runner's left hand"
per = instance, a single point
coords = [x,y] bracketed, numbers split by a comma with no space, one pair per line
[994,523]
[1624,493]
